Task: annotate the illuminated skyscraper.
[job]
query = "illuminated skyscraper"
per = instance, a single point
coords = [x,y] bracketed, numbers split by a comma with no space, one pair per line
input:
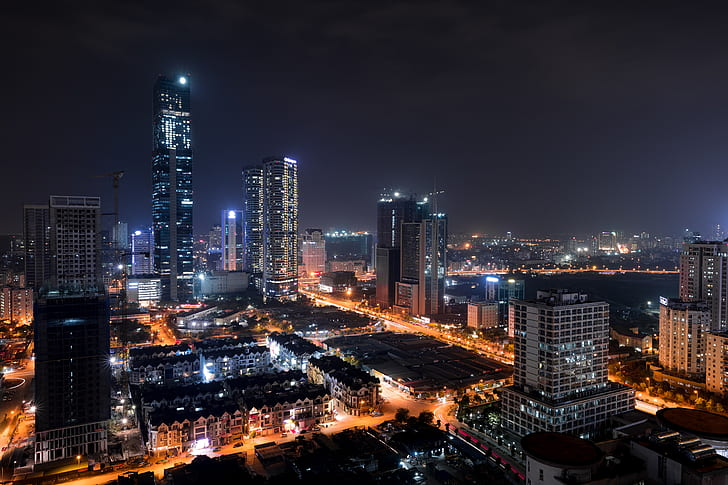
[253,222]
[280,228]
[172,187]
[232,240]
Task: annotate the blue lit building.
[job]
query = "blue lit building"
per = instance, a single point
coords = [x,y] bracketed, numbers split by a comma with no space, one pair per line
[172,187]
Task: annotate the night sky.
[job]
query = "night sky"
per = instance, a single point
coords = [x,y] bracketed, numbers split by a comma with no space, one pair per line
[534,117]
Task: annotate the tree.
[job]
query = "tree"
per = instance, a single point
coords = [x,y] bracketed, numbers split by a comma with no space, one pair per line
[426,417]
[401,415]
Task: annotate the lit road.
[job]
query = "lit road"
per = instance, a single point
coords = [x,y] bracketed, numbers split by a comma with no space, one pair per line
[399,324]
[163,334]
[593,269]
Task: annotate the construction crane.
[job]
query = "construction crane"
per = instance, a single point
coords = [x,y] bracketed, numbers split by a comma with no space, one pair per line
[116,178]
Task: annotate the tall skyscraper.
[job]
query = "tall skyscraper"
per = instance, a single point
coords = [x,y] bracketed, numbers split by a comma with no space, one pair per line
[280,228]
[704,277]
[560,370]
[36,234]
[313,252]
[232,240]
[72,375]
[392,211]
[141,247]
[423,255]
[172,187]
[253,222]
[684,327]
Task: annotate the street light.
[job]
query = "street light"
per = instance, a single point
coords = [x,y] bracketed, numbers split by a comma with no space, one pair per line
[78,460]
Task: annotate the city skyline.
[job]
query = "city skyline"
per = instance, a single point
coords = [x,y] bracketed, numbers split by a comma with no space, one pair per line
[579,108]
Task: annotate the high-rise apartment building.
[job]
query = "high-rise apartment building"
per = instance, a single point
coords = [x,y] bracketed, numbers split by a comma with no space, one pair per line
[704,277]
[172,187]
[36,234]
[393,211]
[684,327]
[560,370]
[253,222]
[232,240]
[74,247]
[313,252]
[716,363]
[63,250]
[280,228]
[72,376]
[141,247]
[16,305]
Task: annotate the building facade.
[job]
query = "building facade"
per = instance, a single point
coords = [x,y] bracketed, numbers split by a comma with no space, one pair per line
[483,315]
[292,411]
[350,246]
[232,240]
[353,391]
[141,247]
[253,221]
[36,234]
[313,252]
[72,376]
[184,430]
[423,266]
[16,305]
[280,228]
[704,277]
[560,369]
[684,327]
[716,363]
[393,210]
[172,200]
[74,242]
[291,352]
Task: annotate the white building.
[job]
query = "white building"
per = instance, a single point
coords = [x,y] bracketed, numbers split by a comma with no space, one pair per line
[683,332]
[704,277]
[483,314]
[716,363]
[313,253]
[560,370]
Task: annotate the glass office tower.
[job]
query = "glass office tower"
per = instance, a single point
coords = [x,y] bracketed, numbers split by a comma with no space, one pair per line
[172,187]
